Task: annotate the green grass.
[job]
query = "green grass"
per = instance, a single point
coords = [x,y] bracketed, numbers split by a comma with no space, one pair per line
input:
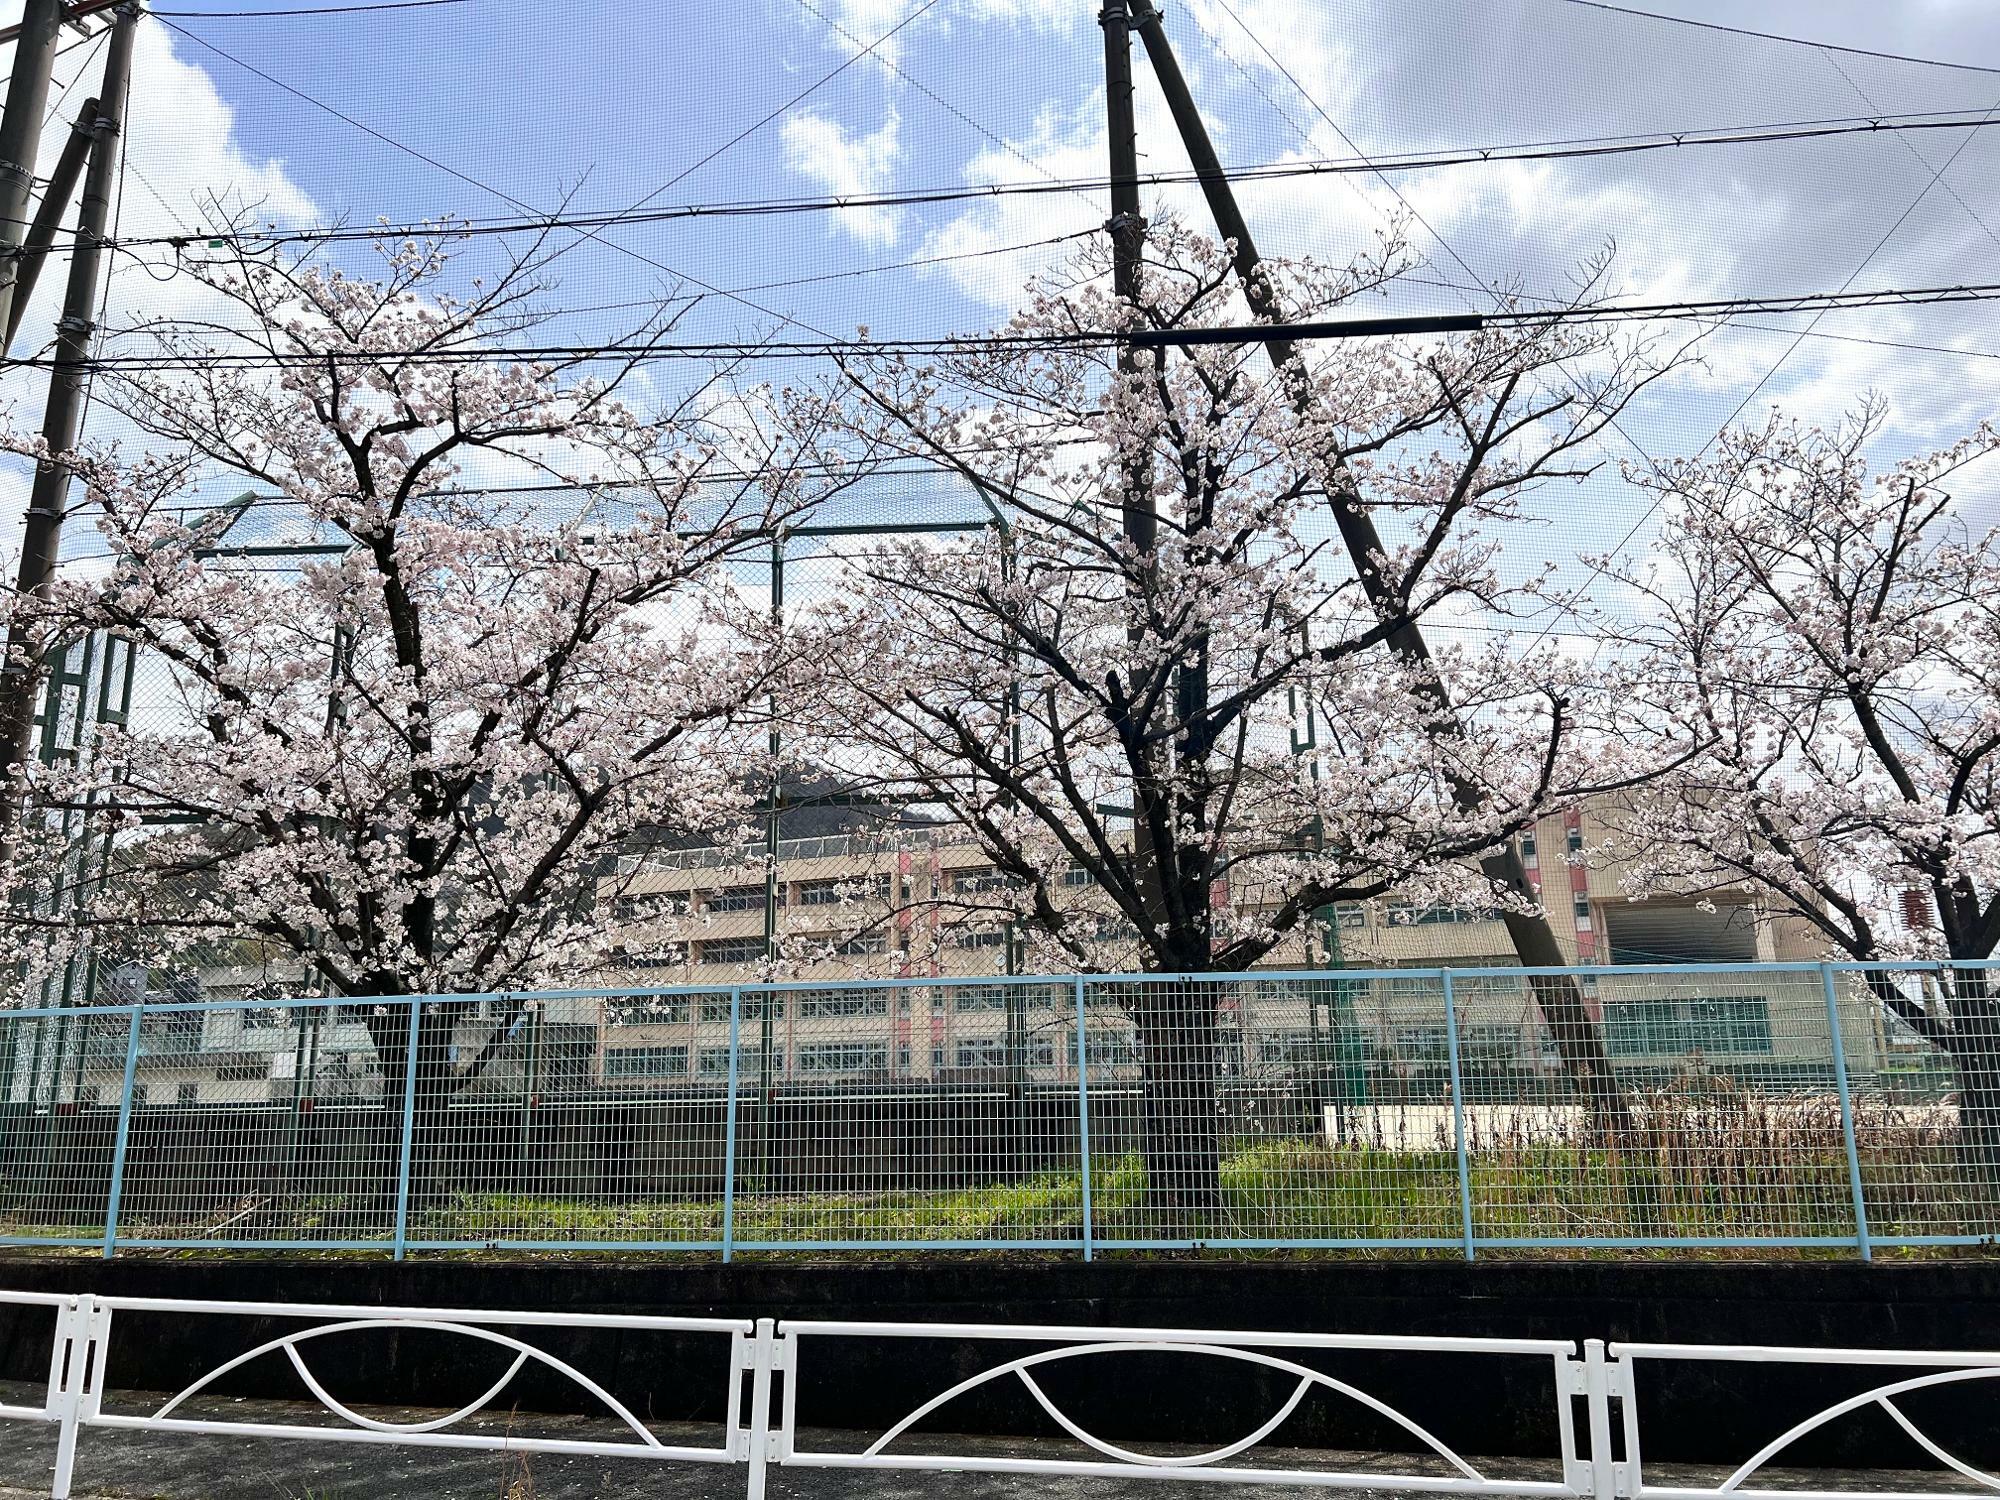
[1704,1165]
[1275,1189]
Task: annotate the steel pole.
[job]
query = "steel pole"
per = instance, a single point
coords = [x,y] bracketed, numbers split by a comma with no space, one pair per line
[21,135]
[41,541]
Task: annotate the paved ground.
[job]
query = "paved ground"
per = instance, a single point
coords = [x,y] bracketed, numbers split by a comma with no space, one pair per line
[150,1466]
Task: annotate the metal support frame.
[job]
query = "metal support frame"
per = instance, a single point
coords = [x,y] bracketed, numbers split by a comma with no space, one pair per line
[729,1127]
[1861,1237]
[124,1140]
[409,1131]
[1458,1115]
[1083,1114]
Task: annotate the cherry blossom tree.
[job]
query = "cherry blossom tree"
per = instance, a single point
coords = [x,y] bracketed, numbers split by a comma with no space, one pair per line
[1827,635]
[1103,689]
[411,757]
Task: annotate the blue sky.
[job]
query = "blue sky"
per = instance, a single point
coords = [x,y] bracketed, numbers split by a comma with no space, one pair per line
[613,100]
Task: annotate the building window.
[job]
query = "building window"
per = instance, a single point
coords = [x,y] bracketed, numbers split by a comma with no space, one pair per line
[646,1062]
[979,997]
[1528,847]
[1582,906]
[644,904]
[1350,914]
[844,1057]
[751,1008]
[1421,1044]
[978,879]
[819,892]
[713,1062]
[735,898]
[864,945]
[979,938]
[1292,1049]
[1078,875]
[835,891]
[1109,1049]
[1729,1025]
[648,1010]
[664,956]
[983,1052]
[1406,914]
[188,1093]
[735,950]
[1574,841]
[816,1004]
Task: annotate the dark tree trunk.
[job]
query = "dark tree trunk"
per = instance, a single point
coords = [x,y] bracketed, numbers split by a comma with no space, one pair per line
[1182,1145]
[1975,1054]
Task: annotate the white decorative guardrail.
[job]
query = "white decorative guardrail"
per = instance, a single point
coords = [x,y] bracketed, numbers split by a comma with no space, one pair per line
[1451,1473]
[1589,1464]
[83,1349]
[1945,1369]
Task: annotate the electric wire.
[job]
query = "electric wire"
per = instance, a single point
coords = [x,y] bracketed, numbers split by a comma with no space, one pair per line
[945,344]
[471,226]
[1772,36]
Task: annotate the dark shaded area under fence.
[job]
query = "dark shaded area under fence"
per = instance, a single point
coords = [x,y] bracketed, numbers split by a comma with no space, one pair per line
[194,1169]
[1696,1413]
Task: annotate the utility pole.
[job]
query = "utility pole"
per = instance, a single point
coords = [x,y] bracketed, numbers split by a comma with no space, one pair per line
[1576,1032]
[34,252]
[42,537]
[21,134]
[1139,513]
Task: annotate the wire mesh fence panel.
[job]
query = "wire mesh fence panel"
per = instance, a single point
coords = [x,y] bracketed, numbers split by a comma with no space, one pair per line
[61,1079]
[260,1124]
[1337,1112]
[1259,1110]
[586,1120]
[1923,1053]
[1726,1122]
[938,1112]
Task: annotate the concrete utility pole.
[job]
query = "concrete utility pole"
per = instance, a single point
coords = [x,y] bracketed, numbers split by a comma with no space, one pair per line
[21,134]
[1575,1031]
[34,252]
[1140,515]
[41,540]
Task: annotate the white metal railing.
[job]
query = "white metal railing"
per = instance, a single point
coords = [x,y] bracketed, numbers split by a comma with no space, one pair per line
[1921,1369]
[83,1348]
[1449,1473]
[1589,1463]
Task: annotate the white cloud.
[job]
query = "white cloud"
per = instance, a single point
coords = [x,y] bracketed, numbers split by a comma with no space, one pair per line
[182,150]
[848,162]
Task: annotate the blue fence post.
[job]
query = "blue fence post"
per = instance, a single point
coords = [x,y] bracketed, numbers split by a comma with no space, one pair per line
[1861,1240]
[409,1130]
[1083,1114]
[124,1137]
[729,1129]
[1458,1114]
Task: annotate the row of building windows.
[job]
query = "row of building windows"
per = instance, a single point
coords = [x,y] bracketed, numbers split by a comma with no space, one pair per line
[832,891]
[843,1057]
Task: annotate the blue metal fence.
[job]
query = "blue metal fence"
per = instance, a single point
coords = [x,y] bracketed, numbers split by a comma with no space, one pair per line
[1761,1106]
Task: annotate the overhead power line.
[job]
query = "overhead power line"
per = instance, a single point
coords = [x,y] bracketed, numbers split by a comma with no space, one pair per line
[1772,36]
[305,10]
[1579,148]
[640,353]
